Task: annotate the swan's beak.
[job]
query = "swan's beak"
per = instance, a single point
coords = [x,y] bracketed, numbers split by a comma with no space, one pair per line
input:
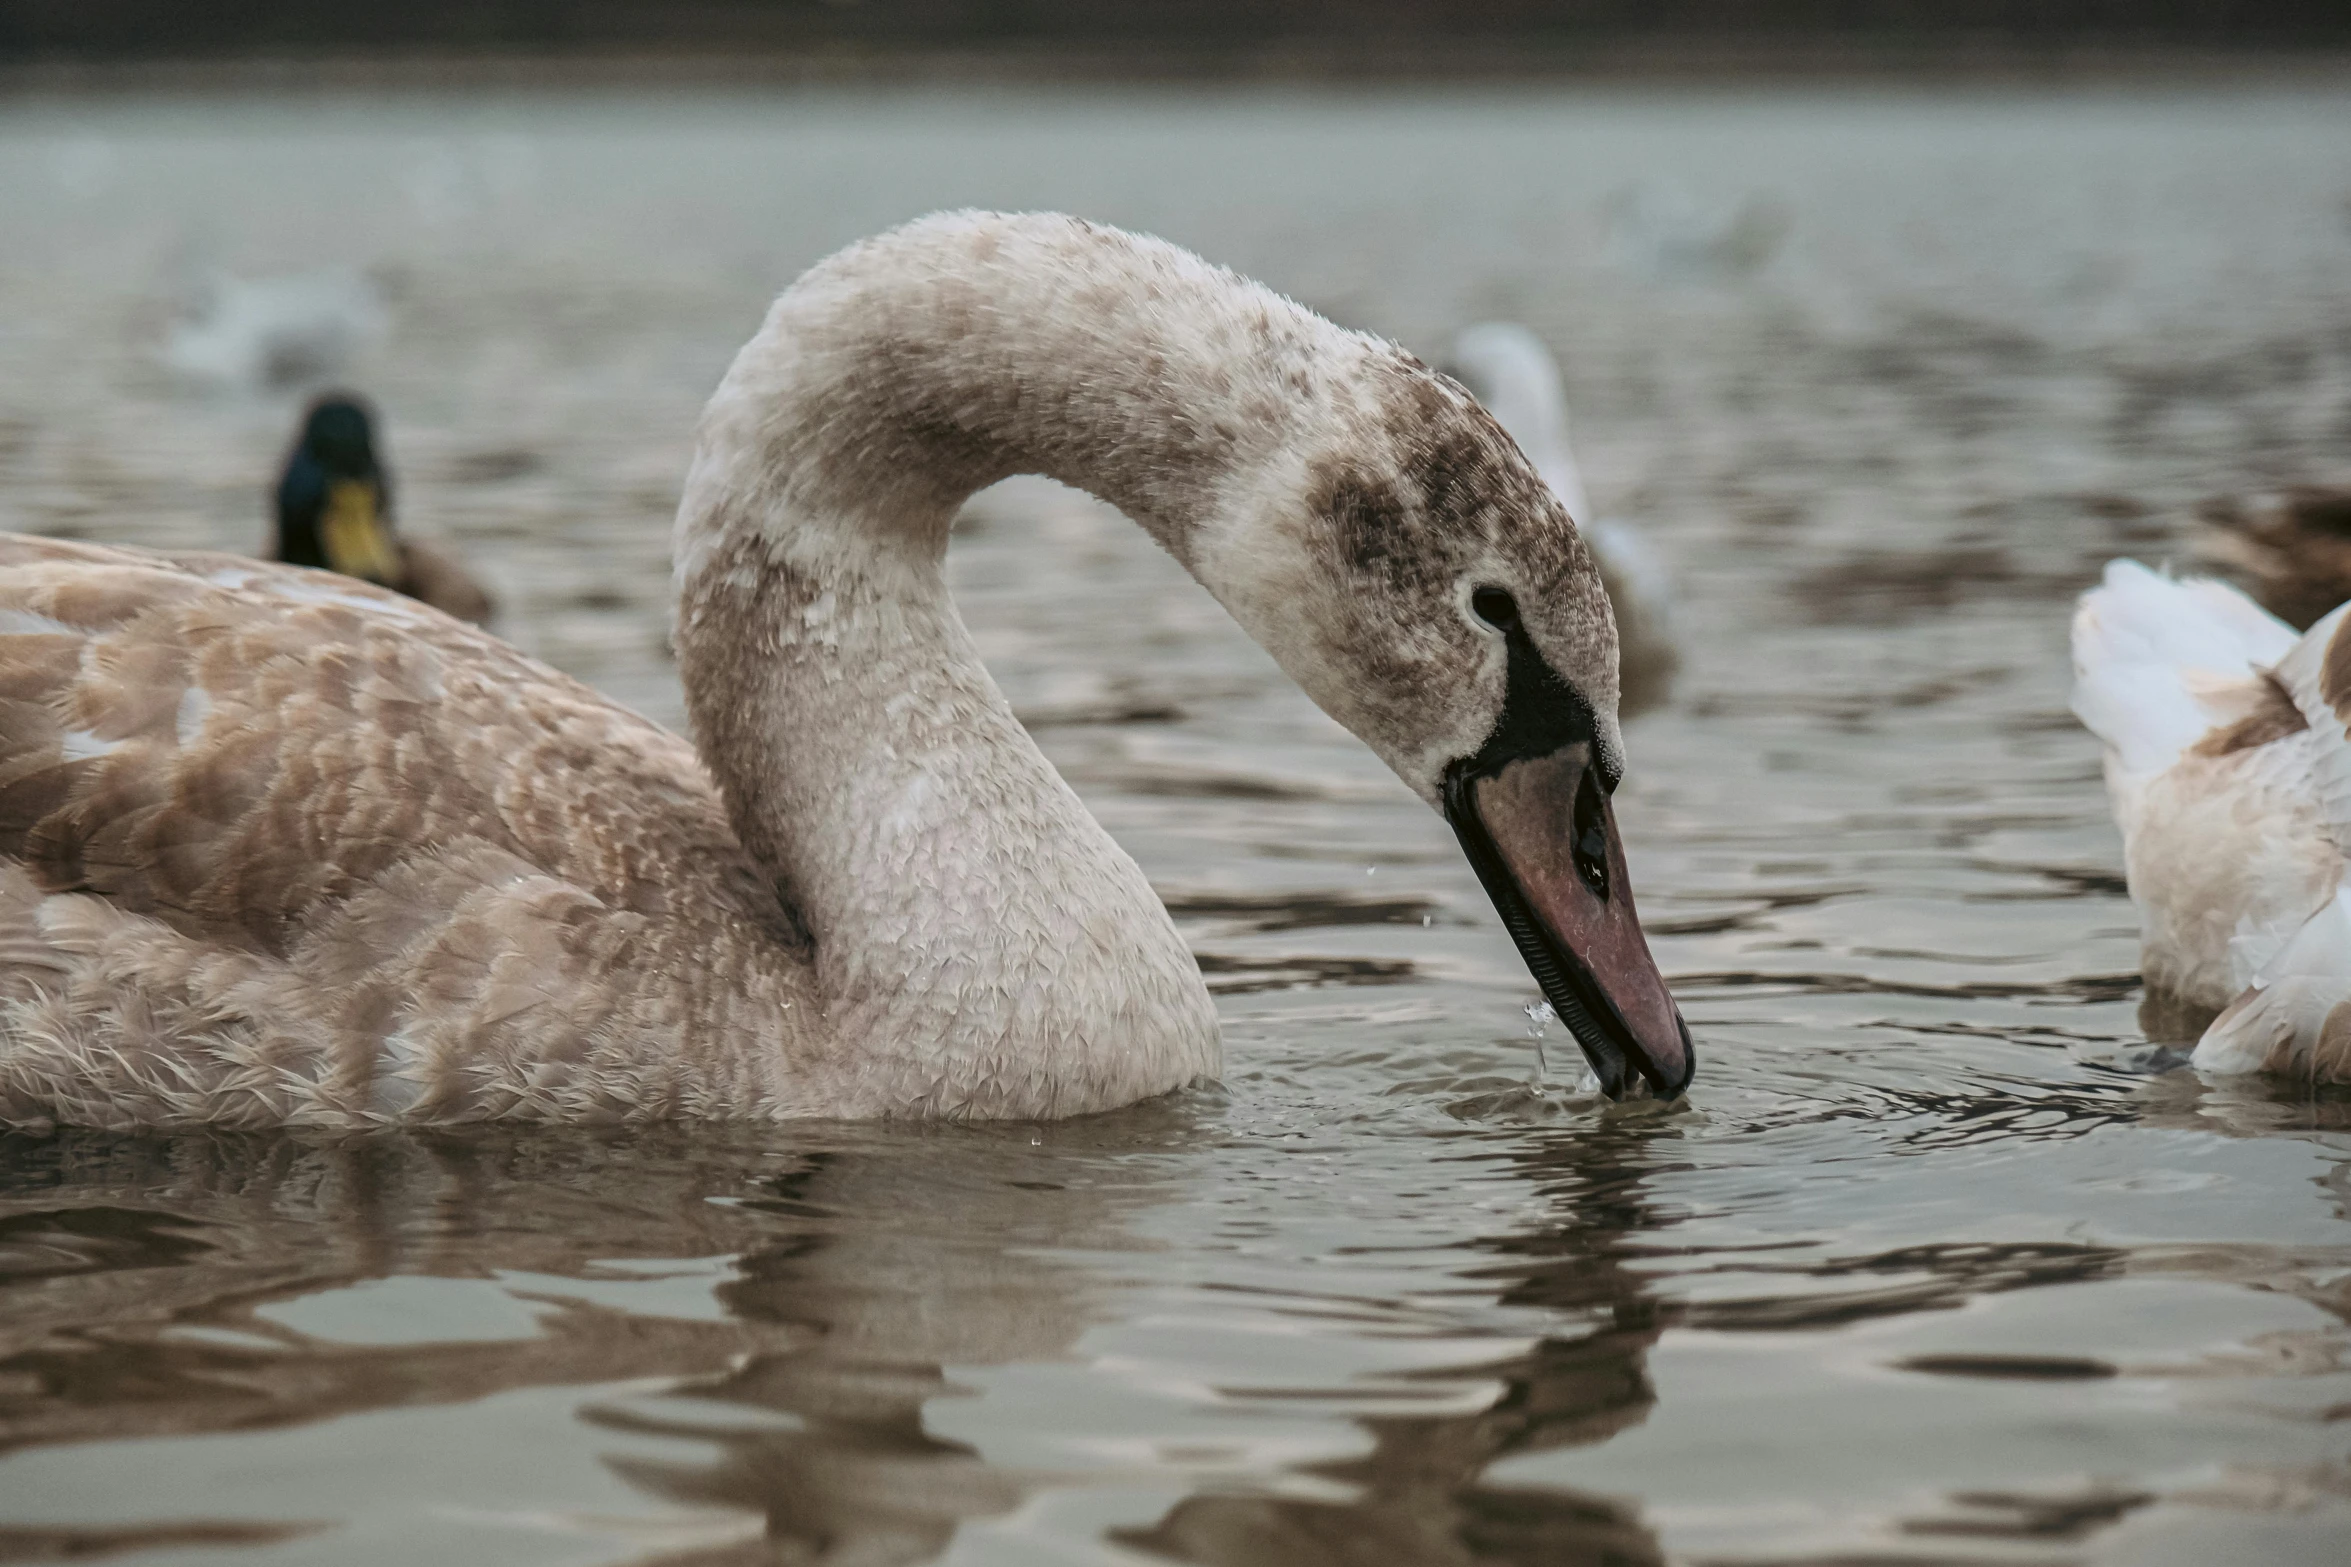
[1541,834]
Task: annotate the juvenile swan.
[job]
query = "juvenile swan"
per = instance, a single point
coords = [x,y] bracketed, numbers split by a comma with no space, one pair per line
[2228,755]
[280,847]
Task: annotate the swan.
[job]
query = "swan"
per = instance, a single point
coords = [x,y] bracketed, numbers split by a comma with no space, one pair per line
[1514,375]
[280,847]
[256,334]
[2228,761]
[1664,231]
[334,506]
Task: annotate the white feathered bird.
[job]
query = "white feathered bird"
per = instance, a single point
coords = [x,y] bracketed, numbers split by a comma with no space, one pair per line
[269,333]
[2228,757]
[1514,375]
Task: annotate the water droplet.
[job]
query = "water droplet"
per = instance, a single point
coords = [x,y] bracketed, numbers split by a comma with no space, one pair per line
[1539,1017]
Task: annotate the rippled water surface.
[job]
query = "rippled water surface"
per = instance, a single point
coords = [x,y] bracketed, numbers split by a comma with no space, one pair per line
[1938,1264]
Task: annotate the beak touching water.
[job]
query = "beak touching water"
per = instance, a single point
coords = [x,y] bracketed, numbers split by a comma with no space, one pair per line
[1541,835]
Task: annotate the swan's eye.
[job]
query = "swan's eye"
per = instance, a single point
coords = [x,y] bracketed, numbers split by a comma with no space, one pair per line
[1496,608]
[1591,837]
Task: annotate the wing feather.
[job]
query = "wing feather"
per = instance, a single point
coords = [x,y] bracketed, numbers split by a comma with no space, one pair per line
[2316,673]
[280,847]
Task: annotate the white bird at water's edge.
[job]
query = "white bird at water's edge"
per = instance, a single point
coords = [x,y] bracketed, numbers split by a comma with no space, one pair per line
[2228,758]
[279,847]
[1514,375]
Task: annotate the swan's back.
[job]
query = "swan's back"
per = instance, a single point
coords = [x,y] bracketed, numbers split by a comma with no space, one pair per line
[2210,767]
[279,847]
[2149,651]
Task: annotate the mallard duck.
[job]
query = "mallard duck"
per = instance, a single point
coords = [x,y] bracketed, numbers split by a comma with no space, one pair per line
[334,507]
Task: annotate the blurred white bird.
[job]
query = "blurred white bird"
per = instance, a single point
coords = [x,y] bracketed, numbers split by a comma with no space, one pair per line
[1514,375]
[1663,231]
[2228,757]
[272,333]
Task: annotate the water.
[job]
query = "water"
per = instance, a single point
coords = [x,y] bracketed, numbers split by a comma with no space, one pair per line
[1940,1263]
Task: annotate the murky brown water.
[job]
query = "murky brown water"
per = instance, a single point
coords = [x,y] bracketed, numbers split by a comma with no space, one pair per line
[1937,1265]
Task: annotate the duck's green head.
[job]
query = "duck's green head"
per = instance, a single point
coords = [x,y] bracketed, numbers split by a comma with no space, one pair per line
[340,437]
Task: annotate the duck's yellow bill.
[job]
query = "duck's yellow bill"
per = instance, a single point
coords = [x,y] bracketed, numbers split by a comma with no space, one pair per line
[352,529]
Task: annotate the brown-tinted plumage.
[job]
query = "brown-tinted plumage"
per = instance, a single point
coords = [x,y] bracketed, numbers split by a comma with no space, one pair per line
[2228,756]
[280,847]
[293,816]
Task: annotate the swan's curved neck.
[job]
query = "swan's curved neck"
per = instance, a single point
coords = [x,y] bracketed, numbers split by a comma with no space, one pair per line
[969,915]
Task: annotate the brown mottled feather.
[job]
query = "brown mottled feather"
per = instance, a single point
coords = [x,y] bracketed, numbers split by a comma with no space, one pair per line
[2273,717]
[278,846]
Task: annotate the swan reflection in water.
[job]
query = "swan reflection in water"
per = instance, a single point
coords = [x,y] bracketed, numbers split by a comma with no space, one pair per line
[868,1272]
[814,1403]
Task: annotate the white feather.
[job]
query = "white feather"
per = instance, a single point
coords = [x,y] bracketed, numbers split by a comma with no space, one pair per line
[2302,672]
[24,623]
[2146,645]
[2277,1022]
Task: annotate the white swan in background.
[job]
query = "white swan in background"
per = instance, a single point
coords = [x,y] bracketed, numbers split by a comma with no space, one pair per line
[1514,375]
[1663,231]
[277,846]
[270,333]
[2229,764]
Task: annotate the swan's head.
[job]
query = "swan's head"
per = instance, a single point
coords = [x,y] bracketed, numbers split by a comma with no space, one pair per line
[1412,572]
[1514,375]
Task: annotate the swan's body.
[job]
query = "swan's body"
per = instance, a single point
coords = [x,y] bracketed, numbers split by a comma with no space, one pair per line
[280,847]
[2229,765]
[1514,375]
